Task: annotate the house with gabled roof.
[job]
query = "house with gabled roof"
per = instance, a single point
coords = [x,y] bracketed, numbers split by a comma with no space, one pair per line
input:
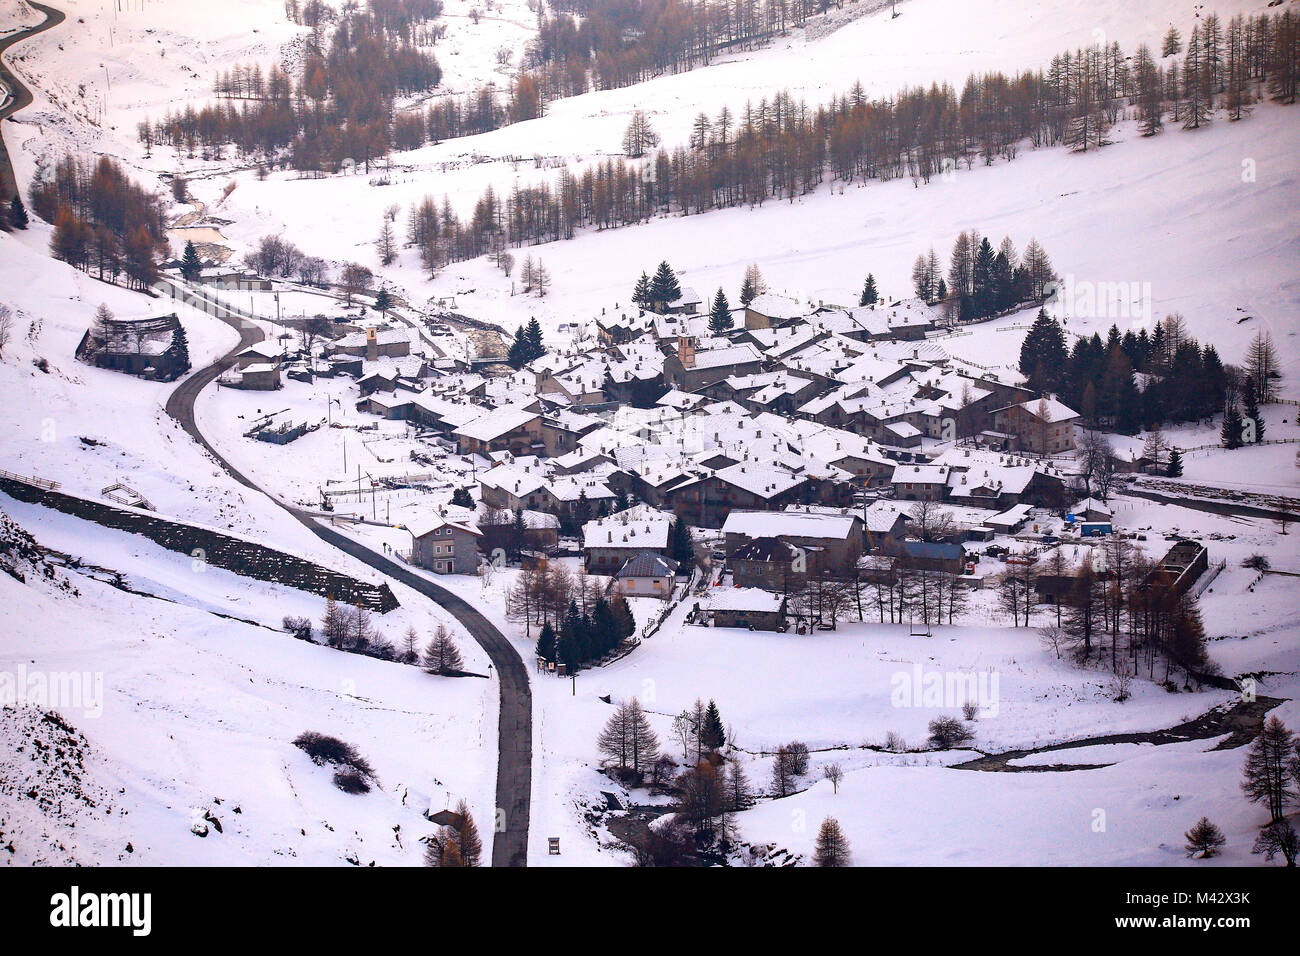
[608,543]
[770,310]
[690,369]
[1043,426]
[443,545]
[647,575]
[513,428]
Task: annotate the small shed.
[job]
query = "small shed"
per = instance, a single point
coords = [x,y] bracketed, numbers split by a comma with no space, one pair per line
[751,608]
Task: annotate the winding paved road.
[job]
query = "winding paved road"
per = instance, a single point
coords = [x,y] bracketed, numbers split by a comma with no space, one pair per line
[515,721]
[21,96]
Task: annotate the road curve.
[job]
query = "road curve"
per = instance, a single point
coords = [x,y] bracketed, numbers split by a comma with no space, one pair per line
[22,96]
[515,720]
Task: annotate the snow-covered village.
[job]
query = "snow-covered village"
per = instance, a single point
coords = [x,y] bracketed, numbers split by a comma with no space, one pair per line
[650,433]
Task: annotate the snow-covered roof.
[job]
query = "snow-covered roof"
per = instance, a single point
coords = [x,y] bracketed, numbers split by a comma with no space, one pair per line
[640,526]
[647,564]
[496,423]
[790,524]
[745,599]
[776,306]
[758,479]
[1056,411]
[427,524]
[730,355]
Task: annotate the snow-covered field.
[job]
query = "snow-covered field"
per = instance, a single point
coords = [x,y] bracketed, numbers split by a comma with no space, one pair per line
[188,709]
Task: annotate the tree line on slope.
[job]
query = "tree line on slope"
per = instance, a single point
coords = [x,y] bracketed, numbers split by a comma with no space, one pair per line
[782,148]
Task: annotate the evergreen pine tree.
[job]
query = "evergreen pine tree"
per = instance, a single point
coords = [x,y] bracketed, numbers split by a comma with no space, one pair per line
[383,302]
[533,337]
[17,213]
[753,286]
[720,314]
[190,264]
[869,294]
[461,498]
[179,351]
[546,643]
[983,294]
[572,641]
[683,547]
[712,734]
[747,293]
[604,627]
[641,292]
[625,622]
[1230,431]
[1252,424]
[664,289]
[1043,356]
[1175,467]
[517,355]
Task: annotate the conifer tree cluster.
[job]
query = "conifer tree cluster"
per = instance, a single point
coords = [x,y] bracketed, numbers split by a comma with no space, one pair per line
[527,344]
[584,637]
[1184,382]
[983,281]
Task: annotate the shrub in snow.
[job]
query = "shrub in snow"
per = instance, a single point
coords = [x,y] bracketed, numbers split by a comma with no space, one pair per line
[323,749]
[970,711]
[895,743]
[299,627]
[947,733]
[349,781]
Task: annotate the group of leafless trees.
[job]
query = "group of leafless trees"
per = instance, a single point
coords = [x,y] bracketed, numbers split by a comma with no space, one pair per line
[782,148]
[276,256]
[1271,777]
[103,222]
[455,844]
[543,593]
[1126,617]
[342,106]
[352,629]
